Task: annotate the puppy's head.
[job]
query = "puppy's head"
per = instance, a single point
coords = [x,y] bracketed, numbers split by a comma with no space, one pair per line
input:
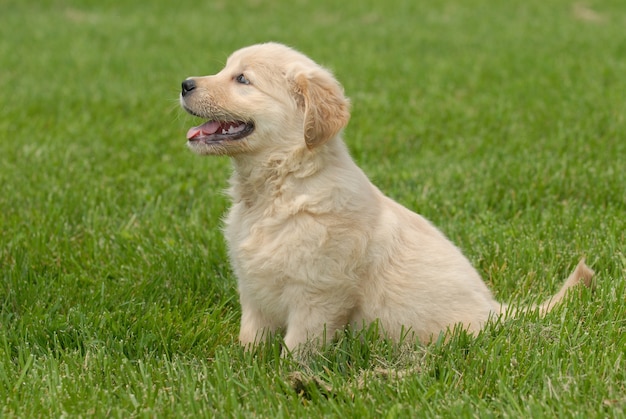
[267,97]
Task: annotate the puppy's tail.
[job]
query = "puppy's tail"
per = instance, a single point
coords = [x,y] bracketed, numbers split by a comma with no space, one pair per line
[581,275]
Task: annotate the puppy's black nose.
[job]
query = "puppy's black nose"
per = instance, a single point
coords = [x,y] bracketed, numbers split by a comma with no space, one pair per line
[187,86]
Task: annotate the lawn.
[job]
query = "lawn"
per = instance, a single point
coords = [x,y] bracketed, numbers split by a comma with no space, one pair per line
[502,122]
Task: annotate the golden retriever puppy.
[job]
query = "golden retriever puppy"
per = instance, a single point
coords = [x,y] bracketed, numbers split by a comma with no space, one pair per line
[314,245]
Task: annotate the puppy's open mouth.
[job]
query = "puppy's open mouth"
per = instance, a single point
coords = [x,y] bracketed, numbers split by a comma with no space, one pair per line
[215,131]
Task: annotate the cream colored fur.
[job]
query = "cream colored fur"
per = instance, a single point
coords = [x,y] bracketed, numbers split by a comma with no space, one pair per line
[314,244]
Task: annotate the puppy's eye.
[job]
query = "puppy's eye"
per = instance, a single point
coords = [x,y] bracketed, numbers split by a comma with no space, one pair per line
[242,79]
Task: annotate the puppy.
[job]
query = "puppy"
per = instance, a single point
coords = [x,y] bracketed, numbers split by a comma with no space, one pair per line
[314,245]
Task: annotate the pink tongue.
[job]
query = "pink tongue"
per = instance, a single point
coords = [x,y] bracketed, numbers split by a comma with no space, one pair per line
[207,129]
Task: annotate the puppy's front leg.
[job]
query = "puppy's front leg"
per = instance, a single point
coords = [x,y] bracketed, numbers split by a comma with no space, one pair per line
[313,320]
[254,324]
[305,327]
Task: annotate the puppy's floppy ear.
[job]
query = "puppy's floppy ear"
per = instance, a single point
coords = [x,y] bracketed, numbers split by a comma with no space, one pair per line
[326,109]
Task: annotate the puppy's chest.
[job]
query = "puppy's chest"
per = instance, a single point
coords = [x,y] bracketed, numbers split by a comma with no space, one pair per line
[268,243]
[273,251]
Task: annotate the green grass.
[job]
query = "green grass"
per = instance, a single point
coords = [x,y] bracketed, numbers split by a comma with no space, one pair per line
[502,122]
